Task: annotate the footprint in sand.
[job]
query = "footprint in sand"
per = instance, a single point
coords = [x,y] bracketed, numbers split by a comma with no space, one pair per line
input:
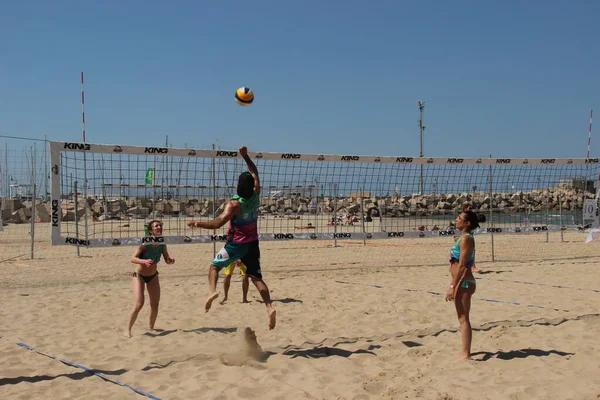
[373,386]
[501,331]
[420,352]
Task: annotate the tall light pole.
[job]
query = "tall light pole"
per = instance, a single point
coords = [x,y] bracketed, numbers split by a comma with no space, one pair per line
[421,105]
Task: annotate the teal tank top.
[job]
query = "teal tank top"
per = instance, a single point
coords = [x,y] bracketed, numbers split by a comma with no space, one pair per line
[152,253]
[455,251]
[243,227]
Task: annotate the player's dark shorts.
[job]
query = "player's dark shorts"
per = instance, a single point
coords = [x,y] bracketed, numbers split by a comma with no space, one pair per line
[249,253]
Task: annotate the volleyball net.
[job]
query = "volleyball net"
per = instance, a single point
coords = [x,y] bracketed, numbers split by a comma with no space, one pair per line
[104,195]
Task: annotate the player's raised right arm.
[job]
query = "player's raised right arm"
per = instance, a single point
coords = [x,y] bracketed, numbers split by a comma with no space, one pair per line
[251,167]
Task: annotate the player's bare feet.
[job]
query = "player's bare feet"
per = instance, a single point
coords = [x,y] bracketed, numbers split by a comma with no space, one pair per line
[245,301]
[272,317]
[464,356]
[209,300]
[223,301]
[127,333]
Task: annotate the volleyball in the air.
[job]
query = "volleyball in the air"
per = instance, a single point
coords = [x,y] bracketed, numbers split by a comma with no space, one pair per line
[244,96]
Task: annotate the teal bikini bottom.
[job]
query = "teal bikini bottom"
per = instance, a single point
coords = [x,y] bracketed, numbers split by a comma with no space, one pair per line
[465,284]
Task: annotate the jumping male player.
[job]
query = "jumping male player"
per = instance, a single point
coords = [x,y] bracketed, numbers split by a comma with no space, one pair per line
[242,241]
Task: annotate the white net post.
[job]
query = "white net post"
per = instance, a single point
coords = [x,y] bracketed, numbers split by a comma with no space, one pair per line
[85,197]
[335,211]
[33,200]
[596,223]
[2,204]
[214,197]
[3,179]
[363,216]
[33,204]
[560,207]
[55,192]
[547,216]
[492,211]
[3,185]
[76,197]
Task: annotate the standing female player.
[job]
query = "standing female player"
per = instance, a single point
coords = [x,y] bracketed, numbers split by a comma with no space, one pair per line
[147,258]
[462,285]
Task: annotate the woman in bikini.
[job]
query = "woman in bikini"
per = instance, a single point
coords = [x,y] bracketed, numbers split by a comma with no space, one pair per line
[147,257]
[468,207]
[462,285]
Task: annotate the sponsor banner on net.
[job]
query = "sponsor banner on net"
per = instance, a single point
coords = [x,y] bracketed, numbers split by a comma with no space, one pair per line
[107,242]
[291,156]
[164,151]
[77,146]
[77,241]
[54,211]
[283,236]
[146,240]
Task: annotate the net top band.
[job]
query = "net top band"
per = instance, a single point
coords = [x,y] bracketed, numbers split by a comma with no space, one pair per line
[174,152]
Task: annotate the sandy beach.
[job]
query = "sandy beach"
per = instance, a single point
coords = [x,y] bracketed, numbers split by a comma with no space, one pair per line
[354,322]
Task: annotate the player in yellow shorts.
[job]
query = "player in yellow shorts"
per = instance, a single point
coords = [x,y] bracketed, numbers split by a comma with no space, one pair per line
[228,271]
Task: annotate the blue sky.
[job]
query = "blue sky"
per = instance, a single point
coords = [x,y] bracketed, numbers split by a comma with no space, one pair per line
[511,78]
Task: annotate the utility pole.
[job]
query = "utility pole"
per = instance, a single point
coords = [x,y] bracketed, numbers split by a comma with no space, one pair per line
[421,105]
